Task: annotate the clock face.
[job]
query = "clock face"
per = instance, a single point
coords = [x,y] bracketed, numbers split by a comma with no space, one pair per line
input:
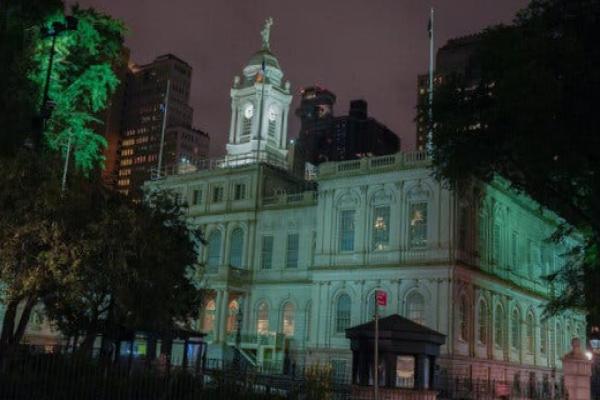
[248,110]
[273,111]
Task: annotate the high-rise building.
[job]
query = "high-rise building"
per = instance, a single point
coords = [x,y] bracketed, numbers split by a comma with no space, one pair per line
[141,134]
[111,119]
[452,59]
[326,137]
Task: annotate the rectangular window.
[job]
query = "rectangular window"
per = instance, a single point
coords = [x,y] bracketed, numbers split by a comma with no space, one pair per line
[267,252]
[217,194]
[347,230]
[239,191]
[196,197]
[272,126]
[291,258]
[418,225]
[381,228]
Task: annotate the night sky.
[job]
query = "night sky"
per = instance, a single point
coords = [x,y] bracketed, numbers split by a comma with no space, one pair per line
[370,49]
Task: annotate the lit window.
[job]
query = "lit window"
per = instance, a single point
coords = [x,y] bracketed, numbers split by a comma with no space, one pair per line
[232,316]
[262,318]
[236,248]
[415,308]
[239,192]
[418,225]
[405,372]
[342,315]
[214,249]
[208,321]
[381,228]
[347,230]
[267,252]
[291,259]
[288,319]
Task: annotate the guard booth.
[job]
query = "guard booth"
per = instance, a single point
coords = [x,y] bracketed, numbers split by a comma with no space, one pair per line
[407,354]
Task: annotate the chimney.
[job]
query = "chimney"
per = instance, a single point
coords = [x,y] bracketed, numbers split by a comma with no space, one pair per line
[358,109]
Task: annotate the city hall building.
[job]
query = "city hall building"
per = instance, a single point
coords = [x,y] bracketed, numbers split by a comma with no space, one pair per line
[296,260]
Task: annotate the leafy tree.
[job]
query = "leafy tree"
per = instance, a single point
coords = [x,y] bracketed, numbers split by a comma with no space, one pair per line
[81,82]
[531,117]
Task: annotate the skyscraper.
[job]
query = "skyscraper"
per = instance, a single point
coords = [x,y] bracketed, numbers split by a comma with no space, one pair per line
[452,59]
[145,103]
[326,137]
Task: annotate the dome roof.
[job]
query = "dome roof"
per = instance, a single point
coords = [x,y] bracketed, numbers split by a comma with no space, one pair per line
[264,54]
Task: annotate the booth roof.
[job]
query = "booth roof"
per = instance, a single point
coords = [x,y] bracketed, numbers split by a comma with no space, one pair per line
[396,327]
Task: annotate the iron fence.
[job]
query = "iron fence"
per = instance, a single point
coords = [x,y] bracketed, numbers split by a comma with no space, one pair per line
[35,375]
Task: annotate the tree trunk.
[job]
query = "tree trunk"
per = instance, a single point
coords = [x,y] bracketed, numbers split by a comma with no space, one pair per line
[23,320]
[86,347]
[8,326]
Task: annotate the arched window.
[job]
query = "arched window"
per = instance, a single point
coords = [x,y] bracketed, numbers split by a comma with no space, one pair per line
[544,337]
[482,331]
[232,316]
[236,248]
[499,326]
[515,329]
[262,318]
[415,307]
[214,249]
[559,341]
[288,319]
[530,333]
[463,318]
[208,319]
[342,313]
[308,320]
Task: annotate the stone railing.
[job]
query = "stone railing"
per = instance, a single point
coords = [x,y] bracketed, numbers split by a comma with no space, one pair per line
[301,198]
[243,160]
[374,164]
[229,274]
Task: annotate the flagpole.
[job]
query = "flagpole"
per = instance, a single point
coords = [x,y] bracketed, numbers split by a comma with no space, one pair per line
[431,62]
[164,126]
[376,356]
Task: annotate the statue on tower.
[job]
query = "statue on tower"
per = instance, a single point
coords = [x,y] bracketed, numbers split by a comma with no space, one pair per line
[266,33]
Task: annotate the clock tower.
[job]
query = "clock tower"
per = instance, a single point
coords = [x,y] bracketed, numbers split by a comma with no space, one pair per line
[259,110]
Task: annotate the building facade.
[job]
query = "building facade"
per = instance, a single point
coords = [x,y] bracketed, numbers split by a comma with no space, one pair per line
[296,263]
[142,121]
[326,137]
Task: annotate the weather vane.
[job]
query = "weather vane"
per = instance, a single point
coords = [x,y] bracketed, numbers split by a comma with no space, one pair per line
[266,33]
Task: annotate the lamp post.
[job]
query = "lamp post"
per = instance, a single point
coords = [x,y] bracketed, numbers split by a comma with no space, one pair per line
[47,105]
[238,335]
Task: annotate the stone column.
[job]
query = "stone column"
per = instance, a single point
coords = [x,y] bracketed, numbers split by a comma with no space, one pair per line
[577,370]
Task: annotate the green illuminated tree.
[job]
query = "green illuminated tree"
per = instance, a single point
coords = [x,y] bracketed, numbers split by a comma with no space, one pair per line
[81,82]
[532,118]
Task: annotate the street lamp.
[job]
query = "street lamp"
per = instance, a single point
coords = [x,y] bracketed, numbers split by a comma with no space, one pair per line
[47,105]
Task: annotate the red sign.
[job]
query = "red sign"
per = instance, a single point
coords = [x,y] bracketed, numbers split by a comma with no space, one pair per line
[381,297]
